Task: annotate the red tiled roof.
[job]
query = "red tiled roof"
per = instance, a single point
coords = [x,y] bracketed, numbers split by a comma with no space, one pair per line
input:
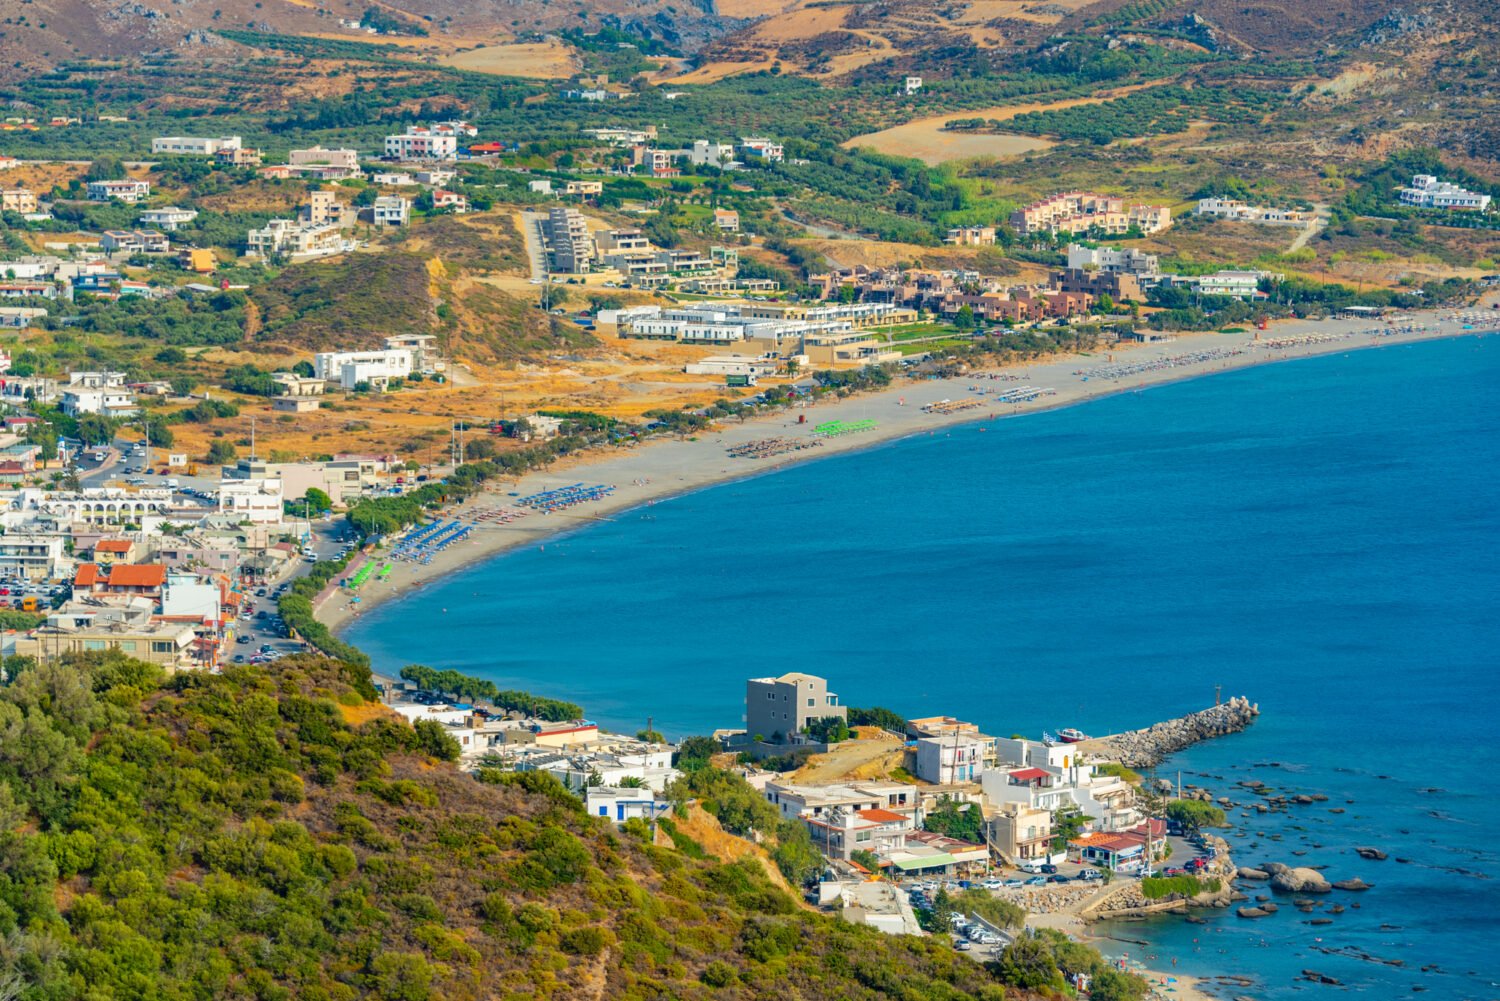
[87,575]
[1028,774]
[881,816]
[121,546]
[137,575]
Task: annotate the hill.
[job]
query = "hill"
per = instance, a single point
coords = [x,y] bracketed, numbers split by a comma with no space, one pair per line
[273,833]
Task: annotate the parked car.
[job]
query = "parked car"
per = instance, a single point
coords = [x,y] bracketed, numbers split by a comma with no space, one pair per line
[992,884]
[1037,881]
[1049,868]
[1090,874]
[962,945]
[1057,878]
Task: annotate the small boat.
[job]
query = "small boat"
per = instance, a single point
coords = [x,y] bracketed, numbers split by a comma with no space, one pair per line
[1071,736]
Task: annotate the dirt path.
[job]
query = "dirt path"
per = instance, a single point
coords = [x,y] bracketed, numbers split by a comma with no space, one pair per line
[1317,222]
[865,758]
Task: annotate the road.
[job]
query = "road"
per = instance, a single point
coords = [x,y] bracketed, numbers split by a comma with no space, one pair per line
[536,253]
[1319,220]
[255,631]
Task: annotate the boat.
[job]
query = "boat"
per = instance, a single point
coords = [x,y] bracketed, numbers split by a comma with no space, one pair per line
[1071,736]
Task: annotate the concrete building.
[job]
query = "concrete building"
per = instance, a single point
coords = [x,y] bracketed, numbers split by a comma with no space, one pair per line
[911,85]
[1126,260]
[570,248]
[971,236]
[1020,831]
[423,350]
[952,760]
[419,143]
[622,804]
[763,150]
[391,210]
[727,220]
[317,156]
[296,240]
[31,555]
[322,209]
[106,402]
[17,200]
[795,801]
[193,145]
[1238,211]
[350,368]
[134,632]
[168,218]
[1082,211]
[1426,191]
[258,501]
[341,479]
[779,708]
[124,191]
[712,154]
[133,241]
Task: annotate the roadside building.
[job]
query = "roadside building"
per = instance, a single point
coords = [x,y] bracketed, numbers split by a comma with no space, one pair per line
[351,368]
[1020,831]
[193,145]
[420,143]
[1426,191]
[123,191]
[168,218]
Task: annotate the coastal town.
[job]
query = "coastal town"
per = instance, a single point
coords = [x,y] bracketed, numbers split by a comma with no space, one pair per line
[352,361]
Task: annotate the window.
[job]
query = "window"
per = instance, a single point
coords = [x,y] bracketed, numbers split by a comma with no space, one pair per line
[127,646]
[163,646]
[810,703]
[771,695]
[93,644]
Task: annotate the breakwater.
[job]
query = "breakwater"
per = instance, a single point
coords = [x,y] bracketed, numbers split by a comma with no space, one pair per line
[1144,748]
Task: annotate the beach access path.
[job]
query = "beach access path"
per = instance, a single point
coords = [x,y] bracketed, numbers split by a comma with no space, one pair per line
[653,470]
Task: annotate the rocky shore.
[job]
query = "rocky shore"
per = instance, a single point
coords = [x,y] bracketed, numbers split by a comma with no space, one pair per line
[1145,748]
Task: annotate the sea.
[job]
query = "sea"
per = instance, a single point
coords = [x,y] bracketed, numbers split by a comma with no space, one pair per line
[1321,536]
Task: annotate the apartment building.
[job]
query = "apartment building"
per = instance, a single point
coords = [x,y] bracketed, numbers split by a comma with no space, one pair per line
[779,708]
[168,218]
[1126,260]
[123,191]
[1080,212]
[295,239]
[419,143]
[952,759]
[193,145]
[391,210]
[711,154]
[18,200]
[1426,191]
[350,368]
[258,501]
[133,241]
[763,150]
[570,248]
[1115,284]
[317,156]
[322,209]
[971,236]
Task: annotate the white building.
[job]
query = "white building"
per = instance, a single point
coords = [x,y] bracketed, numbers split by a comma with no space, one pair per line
[350,368]
[193,145]
[317,156]
[419,143]
[1229,208]
[31,556]
[712,154]
[168,218]
[296,239]
[762,149]
[188,596]
[542,186]
[911,85]
[1426,191]
[1240,284]
[951,760]
[1052,777]
[106,402]
[622,804]
[124,191]
[258,501]
[1127,261]
[391,210]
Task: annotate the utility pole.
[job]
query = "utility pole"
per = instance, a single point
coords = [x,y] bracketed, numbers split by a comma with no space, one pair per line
[252,437]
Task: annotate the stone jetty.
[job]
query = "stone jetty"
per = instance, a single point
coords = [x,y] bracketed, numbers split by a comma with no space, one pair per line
[1144,748]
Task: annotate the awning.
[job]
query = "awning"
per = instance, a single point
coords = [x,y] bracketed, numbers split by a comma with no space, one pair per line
[925,862]
[1028,774]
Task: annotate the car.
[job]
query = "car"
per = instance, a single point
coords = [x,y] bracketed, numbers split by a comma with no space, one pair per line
[1089,875]
[242,639]
[992,884]
[962,945]
[1176,871]
[1037,881]
[1049,868]
[262,614]
[1057,878]
[260,592]
[239,658]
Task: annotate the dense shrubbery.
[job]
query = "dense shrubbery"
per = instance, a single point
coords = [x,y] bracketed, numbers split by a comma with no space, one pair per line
[1157,887]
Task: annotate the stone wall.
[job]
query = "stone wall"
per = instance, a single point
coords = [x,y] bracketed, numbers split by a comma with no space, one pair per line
[1144,748]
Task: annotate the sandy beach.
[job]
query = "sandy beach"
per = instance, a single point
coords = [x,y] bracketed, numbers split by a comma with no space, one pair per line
[648,472]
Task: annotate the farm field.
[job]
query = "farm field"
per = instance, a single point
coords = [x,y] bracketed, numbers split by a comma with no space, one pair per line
[549,60]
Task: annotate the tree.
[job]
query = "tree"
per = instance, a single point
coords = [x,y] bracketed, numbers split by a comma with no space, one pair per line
[868,859]
[304,369]
[221,452]
[183,385]
[795,854]
[695,752]
[877,716]
[650,736]
[317,501]
[1027,963]
[1195,813]
[96,429]
[828,730]
[964,318]
[962,821]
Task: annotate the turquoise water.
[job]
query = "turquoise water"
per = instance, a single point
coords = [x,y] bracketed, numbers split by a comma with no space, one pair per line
[1318,535]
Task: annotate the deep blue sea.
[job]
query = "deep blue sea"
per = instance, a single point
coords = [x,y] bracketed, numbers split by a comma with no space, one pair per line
[1322,536]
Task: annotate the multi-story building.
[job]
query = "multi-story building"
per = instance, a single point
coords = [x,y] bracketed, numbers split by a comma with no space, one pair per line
[452,200]
[135,632]
[711,154]
[105,402]
[422,348]
[133,241]
[17,200]
[391,210]
[323,208]
[763,150]
[1115,284]
[193,145]
[350,368]
[419,143]
[1020,831]
[1081,211]
[30,555]
[1126,260]
[583,189]
[124,191]
[793,800]
[318,157]
[952,759]
[727,220]
[258,501]
[779,708]
[1426,191]
[971,236]
[168,218]
[570,248]
[1238,211]
[295,239]
[237,156]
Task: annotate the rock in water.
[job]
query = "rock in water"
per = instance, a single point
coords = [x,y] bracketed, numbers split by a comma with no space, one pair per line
[1245,872]
[1351,884]
[1373,854]
[1301,881]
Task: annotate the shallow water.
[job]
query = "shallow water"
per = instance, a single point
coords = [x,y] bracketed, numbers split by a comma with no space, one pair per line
[1318,535]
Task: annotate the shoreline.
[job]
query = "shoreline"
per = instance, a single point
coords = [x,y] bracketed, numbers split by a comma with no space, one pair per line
[658,470]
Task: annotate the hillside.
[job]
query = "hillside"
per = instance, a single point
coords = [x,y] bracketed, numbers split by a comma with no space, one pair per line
[237,836]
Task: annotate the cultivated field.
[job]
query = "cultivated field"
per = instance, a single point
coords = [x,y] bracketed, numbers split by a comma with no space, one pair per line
[550,60]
